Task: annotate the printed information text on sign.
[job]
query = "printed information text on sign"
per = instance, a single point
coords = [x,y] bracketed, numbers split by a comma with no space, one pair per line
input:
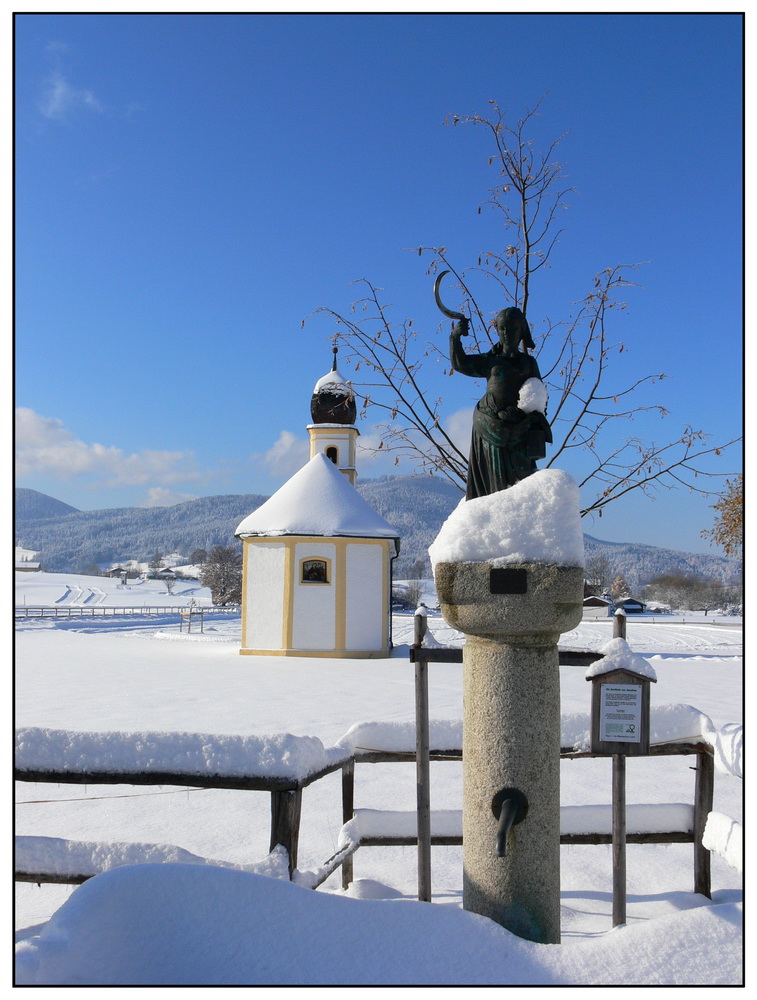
[620,713]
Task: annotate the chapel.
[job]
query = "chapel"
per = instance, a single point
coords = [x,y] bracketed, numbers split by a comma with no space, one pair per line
[317,559]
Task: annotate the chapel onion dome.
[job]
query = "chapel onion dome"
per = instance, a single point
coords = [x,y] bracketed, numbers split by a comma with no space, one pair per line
[333,401]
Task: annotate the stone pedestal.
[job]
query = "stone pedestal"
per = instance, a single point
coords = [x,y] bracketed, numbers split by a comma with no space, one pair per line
[511,732]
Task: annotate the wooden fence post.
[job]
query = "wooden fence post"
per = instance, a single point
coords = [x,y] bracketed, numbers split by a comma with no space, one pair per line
[285,823]
[422,763]
[348,811]
[618,839]
[619,624]
[703,792]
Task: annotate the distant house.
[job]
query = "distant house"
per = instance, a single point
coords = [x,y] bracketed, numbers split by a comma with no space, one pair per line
[25,561]
[631,606]
[28,567]
[597,607]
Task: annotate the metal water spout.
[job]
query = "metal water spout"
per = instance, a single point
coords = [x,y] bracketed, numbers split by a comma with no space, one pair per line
[509,806]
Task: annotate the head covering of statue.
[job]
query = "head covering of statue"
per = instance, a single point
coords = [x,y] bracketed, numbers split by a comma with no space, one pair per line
[513,316]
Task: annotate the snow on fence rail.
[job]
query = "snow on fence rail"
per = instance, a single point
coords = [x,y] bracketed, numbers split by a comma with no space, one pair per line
[670,822]
[725,837]
[71,862]
[283,760]
[675,723]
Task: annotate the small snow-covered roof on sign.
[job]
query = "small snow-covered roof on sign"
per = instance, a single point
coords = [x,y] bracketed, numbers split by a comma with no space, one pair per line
[618,655]
[317,500]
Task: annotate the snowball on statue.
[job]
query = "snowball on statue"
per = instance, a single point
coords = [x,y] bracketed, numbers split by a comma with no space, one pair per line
[509,427]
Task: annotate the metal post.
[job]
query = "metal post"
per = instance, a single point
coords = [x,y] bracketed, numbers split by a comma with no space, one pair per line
[422,766]
[618,839]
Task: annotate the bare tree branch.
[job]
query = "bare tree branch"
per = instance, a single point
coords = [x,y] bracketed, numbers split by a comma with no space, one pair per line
[576,357]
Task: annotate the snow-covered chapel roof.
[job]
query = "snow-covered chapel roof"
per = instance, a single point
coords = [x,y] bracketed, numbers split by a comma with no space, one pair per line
[317,500]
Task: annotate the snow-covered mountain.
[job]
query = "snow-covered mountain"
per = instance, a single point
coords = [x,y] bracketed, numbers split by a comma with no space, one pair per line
[69,540]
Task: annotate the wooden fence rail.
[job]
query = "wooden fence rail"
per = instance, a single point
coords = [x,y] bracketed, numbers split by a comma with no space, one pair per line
[286,796]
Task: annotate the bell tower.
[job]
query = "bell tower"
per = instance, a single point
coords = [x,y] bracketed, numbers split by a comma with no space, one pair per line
[333,411]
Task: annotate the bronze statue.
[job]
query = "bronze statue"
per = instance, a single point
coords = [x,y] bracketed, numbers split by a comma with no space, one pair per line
[506,440]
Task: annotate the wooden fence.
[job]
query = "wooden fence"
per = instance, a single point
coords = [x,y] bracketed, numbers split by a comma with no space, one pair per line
[285,792]
[393,826]
[286,802]
[100,611]
[415,828]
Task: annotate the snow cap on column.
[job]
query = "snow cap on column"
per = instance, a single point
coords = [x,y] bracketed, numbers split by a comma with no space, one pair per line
[537,520]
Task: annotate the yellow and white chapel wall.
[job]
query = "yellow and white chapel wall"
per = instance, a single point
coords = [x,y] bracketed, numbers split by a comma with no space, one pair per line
[316,596]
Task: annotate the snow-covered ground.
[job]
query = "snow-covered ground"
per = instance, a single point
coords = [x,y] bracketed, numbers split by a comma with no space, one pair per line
[184,923]
[63,590]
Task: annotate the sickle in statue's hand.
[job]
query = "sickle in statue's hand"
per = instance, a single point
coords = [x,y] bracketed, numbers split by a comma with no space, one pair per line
[442,307]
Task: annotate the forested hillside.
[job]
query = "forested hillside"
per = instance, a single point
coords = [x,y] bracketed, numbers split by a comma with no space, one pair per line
[73,541]
[31,505]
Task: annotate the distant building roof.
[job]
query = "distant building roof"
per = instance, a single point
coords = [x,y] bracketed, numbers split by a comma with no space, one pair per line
[25,555]
[317,500]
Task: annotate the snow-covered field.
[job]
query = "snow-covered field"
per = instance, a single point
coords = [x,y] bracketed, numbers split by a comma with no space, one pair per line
[205,924]
[69,590]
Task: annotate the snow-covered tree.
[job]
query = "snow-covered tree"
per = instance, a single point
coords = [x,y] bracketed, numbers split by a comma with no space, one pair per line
[598,572]
[222,573]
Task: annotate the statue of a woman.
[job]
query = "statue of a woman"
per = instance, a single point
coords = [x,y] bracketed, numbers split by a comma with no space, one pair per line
[506,439]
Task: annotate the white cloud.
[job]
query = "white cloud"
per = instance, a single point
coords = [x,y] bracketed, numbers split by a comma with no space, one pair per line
[368,447]
[45,446]
[458,425]
[159,496]
[287,455]
[61,100]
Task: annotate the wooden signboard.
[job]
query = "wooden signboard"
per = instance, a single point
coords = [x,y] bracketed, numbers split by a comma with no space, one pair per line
[620,713]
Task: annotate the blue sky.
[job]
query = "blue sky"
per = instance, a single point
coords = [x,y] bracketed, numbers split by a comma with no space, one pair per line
[190,188]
